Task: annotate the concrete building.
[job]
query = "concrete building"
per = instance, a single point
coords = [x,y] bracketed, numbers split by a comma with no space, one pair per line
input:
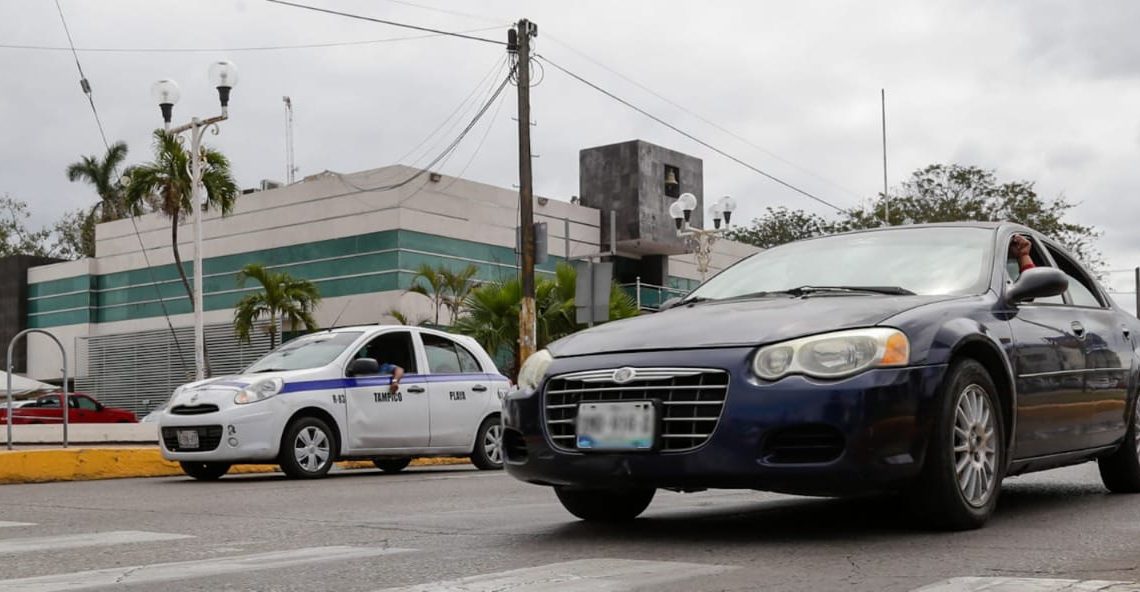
[118,313]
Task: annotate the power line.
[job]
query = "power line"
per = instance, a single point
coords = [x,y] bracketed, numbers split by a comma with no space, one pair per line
[83,84]
[702,119]
[231,49]
[387,22]
[446,11]
[690,136]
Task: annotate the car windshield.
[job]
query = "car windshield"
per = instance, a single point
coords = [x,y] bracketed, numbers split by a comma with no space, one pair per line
[308,351]
[919,260]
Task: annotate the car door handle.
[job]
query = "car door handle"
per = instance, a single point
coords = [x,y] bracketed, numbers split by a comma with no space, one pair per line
[479,388]
[415,389]
[1078,329]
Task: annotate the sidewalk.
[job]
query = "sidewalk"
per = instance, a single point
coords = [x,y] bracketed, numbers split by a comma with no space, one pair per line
[112,451]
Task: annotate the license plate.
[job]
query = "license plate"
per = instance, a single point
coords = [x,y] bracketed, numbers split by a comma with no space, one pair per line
[618,425]
[187,438]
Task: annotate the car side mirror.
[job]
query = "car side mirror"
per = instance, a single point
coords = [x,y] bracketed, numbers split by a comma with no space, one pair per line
[1038,282]
[98,406]
[363,366]
[669,303]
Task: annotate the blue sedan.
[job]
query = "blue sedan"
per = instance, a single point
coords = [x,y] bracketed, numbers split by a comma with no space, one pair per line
[931,361]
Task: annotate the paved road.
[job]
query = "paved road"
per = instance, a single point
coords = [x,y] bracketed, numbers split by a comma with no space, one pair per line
[366,531]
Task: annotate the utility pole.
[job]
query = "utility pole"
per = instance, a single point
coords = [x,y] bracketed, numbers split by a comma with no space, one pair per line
[289,168]
[886,196]
[519,41]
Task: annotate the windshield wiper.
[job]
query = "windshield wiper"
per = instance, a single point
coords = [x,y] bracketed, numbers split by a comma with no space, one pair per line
[891,290]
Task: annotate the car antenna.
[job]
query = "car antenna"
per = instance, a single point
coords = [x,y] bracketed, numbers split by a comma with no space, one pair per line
[337,319]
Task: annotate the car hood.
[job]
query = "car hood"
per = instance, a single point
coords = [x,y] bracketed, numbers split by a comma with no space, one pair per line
[738,322]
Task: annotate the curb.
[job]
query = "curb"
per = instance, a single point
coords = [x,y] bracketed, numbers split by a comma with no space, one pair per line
[84,464]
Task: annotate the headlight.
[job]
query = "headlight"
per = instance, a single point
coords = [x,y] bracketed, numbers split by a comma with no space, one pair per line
[259,391]
[534,368]
[833,355]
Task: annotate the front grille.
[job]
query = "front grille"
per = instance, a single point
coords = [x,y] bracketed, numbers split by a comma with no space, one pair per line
[691,402]
[803,444]
[208,438]
[193,409]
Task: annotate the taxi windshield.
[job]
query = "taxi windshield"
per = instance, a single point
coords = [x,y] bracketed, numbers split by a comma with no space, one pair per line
[308,351]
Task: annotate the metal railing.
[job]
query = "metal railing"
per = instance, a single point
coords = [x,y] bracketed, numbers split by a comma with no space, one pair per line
[650,296]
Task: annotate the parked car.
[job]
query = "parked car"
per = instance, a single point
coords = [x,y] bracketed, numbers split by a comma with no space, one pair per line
[910,359]
[321,398]
[82,408]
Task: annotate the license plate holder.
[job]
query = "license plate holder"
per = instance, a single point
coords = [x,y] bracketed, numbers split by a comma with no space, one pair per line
[617,426]
[188,439]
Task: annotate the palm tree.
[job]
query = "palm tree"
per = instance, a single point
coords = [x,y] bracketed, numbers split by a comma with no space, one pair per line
[457,287]
[165,182]
[281,296]
[436,288]
[102,175]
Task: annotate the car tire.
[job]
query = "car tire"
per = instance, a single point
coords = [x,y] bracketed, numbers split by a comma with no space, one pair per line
[605,505]
[968,433]
[205,471]
[488,453]
[1120,471]
[308,449]
[392,465]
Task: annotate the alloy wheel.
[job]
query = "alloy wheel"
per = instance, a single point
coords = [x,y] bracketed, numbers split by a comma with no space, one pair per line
[493,443]
[975,451]
[311,448]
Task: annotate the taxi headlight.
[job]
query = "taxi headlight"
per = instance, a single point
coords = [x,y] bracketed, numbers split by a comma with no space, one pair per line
[533,369]
[259,391]
[833,355]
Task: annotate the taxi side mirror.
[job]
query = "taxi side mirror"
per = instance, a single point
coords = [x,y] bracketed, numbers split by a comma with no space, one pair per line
[363,366]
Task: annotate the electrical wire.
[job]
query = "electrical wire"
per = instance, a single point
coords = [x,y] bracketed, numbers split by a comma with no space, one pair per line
[690,136]
[387,22]
[107,146]
[446,11]
[697,116]
[232,49]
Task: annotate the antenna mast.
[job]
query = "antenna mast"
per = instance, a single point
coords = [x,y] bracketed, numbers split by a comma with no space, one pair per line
[290,168]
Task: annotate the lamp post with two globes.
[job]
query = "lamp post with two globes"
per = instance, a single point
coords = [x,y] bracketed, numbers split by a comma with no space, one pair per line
[223,75]
[700,240]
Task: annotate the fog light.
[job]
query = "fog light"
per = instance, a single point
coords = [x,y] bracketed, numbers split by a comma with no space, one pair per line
[233,442]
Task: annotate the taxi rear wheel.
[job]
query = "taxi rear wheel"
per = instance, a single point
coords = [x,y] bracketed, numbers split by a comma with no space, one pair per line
[605,505]
[205,471]
[392,465]
[307,450]
[488,453]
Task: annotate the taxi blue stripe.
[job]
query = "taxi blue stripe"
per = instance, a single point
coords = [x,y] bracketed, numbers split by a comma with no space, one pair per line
[341,383]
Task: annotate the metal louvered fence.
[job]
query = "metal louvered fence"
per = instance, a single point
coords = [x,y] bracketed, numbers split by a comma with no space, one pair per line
[139,371]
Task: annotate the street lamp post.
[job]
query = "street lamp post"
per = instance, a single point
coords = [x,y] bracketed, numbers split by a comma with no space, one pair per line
[223,75]
[701,240]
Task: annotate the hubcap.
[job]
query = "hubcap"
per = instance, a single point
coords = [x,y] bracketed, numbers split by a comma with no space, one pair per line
[975,449]
[493,444]
[311,449]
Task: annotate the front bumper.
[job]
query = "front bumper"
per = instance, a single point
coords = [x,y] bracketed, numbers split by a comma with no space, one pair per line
[248,433]
[883,417]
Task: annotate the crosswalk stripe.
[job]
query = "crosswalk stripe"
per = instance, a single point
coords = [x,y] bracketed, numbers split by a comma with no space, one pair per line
[999,584]
[585,575]
[4,524]
[93,539]
[182,570]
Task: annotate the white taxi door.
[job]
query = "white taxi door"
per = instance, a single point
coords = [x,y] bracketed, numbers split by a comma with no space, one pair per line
[458,391]
[377,418]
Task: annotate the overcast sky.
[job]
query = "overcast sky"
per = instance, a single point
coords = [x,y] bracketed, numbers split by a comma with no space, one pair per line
[1041,91]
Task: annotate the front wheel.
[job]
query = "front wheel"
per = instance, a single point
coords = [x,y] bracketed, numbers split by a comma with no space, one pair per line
[307,449]
[604,505]
[205,471]
[488,453]
[1120,471]
[965,459]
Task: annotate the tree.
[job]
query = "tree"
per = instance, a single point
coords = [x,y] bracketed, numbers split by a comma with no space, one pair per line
[444,287]
[73,235]
[15,236]
[165,182]
[281,297]
[435,290]
[102,175]
[780,225]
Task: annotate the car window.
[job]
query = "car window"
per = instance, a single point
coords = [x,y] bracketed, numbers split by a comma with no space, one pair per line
[308,351]
[49,401]
[467,361]
[394,347]
[441,355]
[1082,290]
[85,403]
[1039,260]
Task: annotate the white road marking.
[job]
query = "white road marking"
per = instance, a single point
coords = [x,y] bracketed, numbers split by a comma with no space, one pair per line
[168,572]
[585,575]
[93,539]
[4,524]
[998,584]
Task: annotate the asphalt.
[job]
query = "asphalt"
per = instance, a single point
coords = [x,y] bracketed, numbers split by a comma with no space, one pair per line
[361,530]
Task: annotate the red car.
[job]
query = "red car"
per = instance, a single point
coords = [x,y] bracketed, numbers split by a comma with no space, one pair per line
[81,409]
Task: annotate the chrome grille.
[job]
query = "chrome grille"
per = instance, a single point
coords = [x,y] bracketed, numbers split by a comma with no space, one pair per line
[691,401]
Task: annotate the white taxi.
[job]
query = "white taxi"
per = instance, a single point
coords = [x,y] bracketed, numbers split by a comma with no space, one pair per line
[321,398]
